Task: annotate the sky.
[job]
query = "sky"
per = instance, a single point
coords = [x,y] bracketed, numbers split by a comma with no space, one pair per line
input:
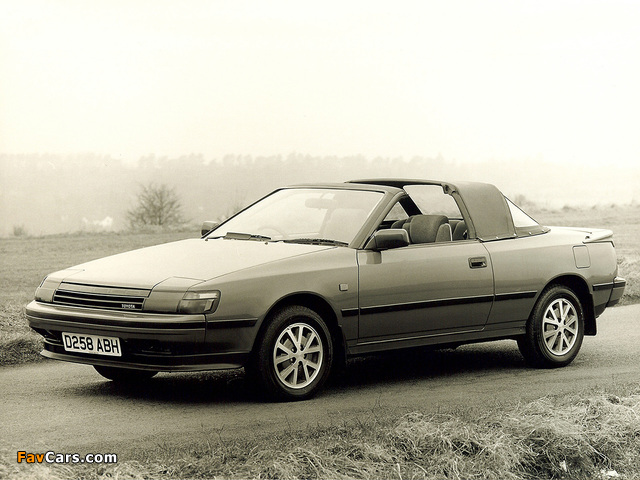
[553,81]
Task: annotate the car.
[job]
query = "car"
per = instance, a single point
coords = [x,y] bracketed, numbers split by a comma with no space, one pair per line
[310,275]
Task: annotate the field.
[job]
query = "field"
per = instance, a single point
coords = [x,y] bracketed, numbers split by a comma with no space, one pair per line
[24,262]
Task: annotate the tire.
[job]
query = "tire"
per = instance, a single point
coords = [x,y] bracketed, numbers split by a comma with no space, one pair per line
[293,357]
[555,329]
[124,375]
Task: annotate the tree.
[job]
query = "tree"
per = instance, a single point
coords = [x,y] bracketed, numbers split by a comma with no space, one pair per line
[157,205]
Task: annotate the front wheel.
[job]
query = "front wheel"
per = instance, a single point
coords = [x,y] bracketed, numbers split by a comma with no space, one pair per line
[294,355]
[124,375]
[555,329]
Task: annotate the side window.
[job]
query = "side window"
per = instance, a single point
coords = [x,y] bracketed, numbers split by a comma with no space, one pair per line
[431,200]
[525,225]
[395,214]
[441,220]
[520,219]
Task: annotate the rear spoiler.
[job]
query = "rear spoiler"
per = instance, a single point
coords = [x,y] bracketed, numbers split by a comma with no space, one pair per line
[599,235]
[592,235]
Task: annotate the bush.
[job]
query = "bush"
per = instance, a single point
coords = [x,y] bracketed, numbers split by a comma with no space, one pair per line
[158,205]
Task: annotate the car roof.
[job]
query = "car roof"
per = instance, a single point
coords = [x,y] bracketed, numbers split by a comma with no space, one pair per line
[486,207]
[483,206]
[374,187]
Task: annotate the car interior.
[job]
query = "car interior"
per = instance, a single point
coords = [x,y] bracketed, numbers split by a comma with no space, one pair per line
[432,228]
[428,215]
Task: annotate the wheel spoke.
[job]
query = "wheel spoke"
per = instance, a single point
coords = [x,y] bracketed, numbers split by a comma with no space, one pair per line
[292,337]
[282,358]
[571,330]
[284,348]
[549,333]
[305,369]
[561,342]
[552,342]
[311,363]
[551,319]
[284,374]
[563,311]
[299,341]
[309,341]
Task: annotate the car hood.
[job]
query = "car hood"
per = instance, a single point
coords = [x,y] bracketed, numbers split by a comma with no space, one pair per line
[195,259]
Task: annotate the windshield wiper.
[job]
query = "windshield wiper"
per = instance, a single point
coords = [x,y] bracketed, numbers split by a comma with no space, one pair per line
[316,241]
[246,236]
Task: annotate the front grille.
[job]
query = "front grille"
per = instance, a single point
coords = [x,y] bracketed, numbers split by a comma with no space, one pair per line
[100,297]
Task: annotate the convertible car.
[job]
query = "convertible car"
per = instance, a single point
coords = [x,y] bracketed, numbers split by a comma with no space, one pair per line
[310,275]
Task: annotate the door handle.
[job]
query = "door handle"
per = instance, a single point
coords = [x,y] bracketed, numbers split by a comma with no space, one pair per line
[477,262]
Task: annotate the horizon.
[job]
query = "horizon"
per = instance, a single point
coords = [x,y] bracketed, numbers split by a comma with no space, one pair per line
[44,194]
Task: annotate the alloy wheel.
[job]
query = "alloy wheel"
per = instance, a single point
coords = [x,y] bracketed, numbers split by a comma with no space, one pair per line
[298,355]
[560,326]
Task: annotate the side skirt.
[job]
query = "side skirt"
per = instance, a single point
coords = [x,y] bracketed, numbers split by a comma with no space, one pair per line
[497,332]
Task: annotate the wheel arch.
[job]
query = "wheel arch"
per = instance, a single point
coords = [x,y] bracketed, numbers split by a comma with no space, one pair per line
[581,288]
[322,307]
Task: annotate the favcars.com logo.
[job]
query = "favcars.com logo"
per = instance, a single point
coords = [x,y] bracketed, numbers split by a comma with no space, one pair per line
[53,457]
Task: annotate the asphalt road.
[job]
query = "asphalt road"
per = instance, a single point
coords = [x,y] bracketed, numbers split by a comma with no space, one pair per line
[70,408]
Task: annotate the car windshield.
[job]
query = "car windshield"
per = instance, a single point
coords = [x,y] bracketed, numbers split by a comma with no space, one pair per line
[305,215]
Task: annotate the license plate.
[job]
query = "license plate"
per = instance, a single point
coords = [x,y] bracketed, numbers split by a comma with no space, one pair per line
[98,345]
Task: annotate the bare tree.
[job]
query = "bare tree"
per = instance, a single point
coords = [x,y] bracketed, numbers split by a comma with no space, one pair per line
[157,205]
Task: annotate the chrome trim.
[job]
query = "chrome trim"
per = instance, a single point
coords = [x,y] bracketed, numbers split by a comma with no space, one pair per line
[602,286]
[418,337]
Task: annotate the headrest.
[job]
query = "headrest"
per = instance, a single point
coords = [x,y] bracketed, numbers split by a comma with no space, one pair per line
[424,228]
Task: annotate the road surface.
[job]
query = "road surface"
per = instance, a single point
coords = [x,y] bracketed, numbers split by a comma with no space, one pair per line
[69,408]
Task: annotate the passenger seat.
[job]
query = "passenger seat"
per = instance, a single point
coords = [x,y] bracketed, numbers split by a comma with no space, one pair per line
[429,229]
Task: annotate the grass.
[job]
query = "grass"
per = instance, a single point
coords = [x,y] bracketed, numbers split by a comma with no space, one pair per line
[25,261]
[593,434]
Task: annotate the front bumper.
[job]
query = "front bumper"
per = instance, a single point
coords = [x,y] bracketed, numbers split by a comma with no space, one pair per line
[149,341]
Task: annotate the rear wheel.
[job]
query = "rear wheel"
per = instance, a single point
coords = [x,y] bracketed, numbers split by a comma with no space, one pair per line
[124,375]
[555,329]
[293,358]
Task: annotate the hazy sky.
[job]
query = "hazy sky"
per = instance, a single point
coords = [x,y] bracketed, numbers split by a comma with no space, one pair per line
[556,81]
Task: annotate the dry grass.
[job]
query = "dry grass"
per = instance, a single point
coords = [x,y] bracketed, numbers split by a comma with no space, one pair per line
[18,343]
[588,435]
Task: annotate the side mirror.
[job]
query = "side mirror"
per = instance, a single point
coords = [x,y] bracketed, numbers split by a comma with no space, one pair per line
[386,239]
[208,226]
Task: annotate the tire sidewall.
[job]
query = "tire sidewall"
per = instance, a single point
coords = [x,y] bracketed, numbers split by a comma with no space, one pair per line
[555,293]
[264,359]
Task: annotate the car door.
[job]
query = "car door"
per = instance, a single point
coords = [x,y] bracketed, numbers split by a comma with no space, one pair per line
[424,290]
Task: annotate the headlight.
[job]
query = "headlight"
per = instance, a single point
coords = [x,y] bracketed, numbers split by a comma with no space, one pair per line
[199,302]
[44,293]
